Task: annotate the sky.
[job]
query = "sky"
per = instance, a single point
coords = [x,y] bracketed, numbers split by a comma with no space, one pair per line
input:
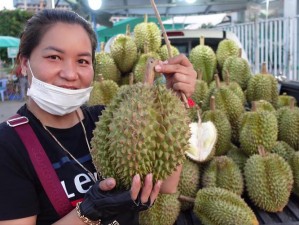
[8,4]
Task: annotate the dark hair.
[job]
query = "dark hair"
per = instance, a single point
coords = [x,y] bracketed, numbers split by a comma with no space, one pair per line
[37,26]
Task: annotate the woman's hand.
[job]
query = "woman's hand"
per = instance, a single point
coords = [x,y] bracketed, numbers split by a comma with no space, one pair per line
[179,74]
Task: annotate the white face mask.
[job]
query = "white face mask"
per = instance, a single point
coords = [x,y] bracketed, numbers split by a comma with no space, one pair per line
[56,100]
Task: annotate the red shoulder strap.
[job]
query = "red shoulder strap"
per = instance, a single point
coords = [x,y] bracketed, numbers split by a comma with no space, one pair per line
[42,165]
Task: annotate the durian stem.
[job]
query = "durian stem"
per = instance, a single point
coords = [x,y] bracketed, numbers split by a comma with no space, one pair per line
[184,198]
[100,78]
[212,103]
[150,71]
[216,77]
[253,106]
[128,32]
[131,78]
[145,18]
[202,40]
[240,52]
[264,68]
[292,103]
[199,74]
[261,150]
[102,46]
[227,81]
[184,98]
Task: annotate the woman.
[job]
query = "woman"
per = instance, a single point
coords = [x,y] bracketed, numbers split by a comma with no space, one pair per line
[57,52]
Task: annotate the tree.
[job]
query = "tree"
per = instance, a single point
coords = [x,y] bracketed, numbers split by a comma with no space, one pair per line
[11,24]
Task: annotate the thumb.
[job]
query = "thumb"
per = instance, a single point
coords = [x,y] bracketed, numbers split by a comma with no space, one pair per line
[107,184]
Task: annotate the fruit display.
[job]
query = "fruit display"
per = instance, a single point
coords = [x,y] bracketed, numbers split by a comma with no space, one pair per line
[225,175]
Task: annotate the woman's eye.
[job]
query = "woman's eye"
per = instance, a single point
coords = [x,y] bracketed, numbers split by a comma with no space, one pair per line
[54,57]
[83,61]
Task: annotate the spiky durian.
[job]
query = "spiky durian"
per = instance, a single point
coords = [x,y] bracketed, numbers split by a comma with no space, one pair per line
[163,52]
[284,100]
[263,86]
[258,128]
[124,51]
[263,105]
[223,172]
[288,125]
[225,49]
[201,89]
[218,206]
[144,130]
[222,125]
[189,181]
[238,69]
[103,92]
[238,156]
[147,32]
[269,181]
[202,141]
[165,211]
[294,163]
[203,58]
[105,65]
[283,149]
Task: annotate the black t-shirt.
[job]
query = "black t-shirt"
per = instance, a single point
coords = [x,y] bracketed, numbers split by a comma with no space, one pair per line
[21,193]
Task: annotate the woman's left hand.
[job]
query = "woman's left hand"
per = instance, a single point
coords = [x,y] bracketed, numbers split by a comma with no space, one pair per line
[179,74]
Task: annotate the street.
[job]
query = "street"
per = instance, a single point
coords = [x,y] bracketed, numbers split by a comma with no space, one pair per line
[9,108]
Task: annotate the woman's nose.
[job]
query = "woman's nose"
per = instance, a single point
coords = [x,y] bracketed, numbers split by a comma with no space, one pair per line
[69,71]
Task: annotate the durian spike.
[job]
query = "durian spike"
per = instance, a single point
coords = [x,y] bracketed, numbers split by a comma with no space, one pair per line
[253,106]
[184,98]
[199,118]
[202,40]
[184,198]
[227,80]
[261,151]
[102,46]
[145,47]
[292,103]
[128,32]
[217,80]
[131,78]
[264,68]
[199,74]
[240,53]
[212,103]
[150,71]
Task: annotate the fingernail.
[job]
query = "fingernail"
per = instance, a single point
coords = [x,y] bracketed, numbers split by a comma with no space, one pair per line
[136,177]
[158,68]
[159,183]
[165,62]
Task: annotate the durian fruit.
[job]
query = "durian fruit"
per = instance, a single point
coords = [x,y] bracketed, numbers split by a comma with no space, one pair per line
[145,129]
[284,100]
[222,124]
[105,65]
[269,181]
[263,105]
[257,128]
[103,91]
[288,125]
[203,58]
[140,66]
[283,149]
[218,206]
[202,141]
[201,89]
[238,156]
[163,52]
[228,102]
[223,172]
[165,211]
[124,51]
[225,49]
[263,86]
[238,69]
[147,32]
[294,163]
[189,181]
[127,79]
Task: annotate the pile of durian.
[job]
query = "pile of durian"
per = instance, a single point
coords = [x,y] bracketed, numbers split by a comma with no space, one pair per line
[241,140]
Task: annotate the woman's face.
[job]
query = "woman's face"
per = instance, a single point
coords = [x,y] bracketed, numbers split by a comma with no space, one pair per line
[63,57]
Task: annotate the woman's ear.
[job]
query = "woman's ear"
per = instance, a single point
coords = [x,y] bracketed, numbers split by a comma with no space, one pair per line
[24,66]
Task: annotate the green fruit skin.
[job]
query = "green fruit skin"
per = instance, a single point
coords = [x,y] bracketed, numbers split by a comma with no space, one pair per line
[294,163]
[103,92]
[225,49]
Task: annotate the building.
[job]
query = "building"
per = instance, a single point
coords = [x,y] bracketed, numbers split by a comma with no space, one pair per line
[36,5]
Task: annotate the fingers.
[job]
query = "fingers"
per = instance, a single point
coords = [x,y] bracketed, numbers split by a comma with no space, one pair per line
[148,191]
[107,184]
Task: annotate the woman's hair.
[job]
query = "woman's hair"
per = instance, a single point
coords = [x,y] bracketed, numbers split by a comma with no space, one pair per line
[37,26]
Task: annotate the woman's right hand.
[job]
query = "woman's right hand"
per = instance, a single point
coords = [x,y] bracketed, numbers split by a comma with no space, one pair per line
[104,203]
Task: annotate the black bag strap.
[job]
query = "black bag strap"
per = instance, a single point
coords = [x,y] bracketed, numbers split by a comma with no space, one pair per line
[42,165]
